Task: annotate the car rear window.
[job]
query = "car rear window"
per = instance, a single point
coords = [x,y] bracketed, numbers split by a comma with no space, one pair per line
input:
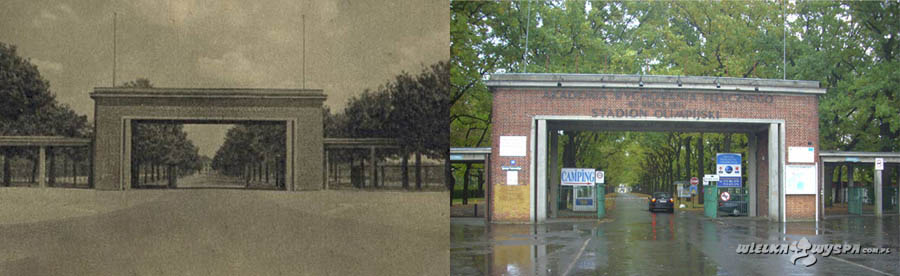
[660,195]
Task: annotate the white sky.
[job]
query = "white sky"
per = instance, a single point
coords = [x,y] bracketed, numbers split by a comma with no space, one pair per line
[351,45]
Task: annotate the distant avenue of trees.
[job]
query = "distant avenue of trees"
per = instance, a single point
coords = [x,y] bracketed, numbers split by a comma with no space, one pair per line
[413,109]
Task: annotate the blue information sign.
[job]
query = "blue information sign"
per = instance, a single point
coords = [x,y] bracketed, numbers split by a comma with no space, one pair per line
[728,159]
[728,167]
[729,182]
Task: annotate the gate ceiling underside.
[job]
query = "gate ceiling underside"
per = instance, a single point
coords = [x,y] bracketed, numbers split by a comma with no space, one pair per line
[657,126]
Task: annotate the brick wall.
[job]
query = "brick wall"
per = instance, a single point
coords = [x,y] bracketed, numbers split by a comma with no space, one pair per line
[515,108]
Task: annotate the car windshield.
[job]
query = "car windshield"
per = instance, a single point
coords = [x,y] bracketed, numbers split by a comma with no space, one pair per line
[660,195]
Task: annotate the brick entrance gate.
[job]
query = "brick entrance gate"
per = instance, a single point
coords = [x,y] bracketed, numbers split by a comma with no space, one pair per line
[529,109]
[117,108]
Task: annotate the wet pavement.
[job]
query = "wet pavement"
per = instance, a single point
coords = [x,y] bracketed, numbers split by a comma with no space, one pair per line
[631,241]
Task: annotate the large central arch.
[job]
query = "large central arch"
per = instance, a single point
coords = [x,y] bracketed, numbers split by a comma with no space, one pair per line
[115,110]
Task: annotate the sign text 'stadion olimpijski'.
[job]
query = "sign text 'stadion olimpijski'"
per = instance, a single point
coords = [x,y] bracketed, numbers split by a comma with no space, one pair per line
[656,104]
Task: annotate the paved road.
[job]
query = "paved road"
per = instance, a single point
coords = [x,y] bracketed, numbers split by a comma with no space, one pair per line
[226,232]
[633,241]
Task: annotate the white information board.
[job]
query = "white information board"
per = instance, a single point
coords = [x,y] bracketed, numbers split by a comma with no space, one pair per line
[513,145]
[801,155]
[800,179]
[512,177]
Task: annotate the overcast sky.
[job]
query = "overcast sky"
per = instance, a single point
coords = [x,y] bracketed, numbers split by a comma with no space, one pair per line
[350,45]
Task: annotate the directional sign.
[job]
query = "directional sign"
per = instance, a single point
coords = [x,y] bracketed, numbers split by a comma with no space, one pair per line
[725,196]
[577,177]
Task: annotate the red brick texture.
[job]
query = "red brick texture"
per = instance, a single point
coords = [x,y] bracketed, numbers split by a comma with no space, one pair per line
[515,108]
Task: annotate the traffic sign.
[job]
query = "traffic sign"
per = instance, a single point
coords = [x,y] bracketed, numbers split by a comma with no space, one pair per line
[725,196]
[695,181]
[599,176]
[879,164]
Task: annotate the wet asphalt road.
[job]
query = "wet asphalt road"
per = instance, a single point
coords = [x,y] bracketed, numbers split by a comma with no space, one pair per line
[633,241]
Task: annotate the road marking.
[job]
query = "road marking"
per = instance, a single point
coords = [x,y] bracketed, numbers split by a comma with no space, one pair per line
[577,256]
[859,265]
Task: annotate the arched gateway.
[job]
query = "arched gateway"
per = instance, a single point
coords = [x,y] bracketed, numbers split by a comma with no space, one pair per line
[780,118]
[117,109]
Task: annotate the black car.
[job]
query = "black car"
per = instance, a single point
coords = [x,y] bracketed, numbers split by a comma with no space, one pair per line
[663,201]
[736,206]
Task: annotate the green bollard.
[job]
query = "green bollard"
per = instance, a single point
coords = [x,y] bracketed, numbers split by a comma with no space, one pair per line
[601,200]
[711,200]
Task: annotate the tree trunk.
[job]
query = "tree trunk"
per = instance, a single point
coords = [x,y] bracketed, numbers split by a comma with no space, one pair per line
[51,171]
[135,173]
[6,171]
[481,183]
[418,170]
[687,157]
[838,196]
[173,175]
[727,143]
[700,165]
[74,173]
[34,165]
[466,174]
[267,171]
[404,170]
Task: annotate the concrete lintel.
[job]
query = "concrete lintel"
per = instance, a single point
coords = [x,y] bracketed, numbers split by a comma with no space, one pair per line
[657,82]
[218,93]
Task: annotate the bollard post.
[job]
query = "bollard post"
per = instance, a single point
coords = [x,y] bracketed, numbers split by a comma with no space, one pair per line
[601,200]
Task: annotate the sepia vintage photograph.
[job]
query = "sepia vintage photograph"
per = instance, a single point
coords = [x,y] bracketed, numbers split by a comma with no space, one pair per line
[195,137]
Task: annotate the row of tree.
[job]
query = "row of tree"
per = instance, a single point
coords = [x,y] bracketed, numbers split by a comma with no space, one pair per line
[29,108]
[253,152]
[850,47]
[411,109]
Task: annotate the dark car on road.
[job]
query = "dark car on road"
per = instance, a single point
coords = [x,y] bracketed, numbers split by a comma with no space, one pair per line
[662,201]
[736,206]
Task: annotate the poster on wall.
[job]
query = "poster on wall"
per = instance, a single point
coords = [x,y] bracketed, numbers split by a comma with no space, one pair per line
[800,180]
[513,145]
[801,155]
[512,177]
